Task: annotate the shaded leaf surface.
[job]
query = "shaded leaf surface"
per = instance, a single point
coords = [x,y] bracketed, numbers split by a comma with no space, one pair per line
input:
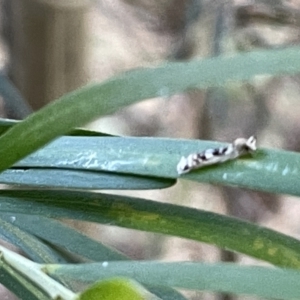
[68,238]
[32,246]
[80,179]
[229,278]
[146,215]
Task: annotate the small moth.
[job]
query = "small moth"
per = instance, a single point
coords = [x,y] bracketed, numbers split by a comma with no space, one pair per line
[213,156]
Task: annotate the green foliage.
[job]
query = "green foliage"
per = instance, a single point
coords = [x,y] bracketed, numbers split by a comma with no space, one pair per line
[87,160]
[229,278]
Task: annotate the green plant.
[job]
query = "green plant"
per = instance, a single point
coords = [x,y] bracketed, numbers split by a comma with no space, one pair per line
[87,160]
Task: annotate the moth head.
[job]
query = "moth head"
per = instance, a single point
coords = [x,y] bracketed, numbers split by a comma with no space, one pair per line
[245,145]
[183,166]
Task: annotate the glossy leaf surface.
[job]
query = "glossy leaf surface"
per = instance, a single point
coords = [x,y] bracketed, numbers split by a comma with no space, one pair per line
[84,105]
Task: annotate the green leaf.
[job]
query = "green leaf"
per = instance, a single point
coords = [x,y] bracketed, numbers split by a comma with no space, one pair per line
[26,279]
[116,289]
[268,170]
[75,242]
[68,238]
[84,105]
[228,278]
[6,124]
[223,231]
[165,293]
[81,179]
[19,284]
[32,246]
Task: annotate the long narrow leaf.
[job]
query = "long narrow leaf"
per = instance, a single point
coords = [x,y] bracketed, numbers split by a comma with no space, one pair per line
[68,238]
[28,278]
[229,278]
[86,104]
[19,284]
[81,179]
[73,242]
[6,124]
[32,246]
[268,170]
[223,231]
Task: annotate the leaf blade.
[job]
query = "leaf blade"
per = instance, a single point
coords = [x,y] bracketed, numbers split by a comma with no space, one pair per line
[80,179]
[269,170]
[32,246]
[70,239]
[81,106]
[228,278]
[146,215]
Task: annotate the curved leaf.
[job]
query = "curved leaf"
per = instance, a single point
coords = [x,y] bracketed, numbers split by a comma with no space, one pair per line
[68,238]
[32,246]
[84,105]
[74,242]
[223,231]
[6,124]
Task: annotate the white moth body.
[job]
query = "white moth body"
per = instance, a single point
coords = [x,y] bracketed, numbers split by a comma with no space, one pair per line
[213,156]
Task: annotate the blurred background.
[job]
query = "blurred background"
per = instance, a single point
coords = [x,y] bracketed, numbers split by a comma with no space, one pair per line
[48,48]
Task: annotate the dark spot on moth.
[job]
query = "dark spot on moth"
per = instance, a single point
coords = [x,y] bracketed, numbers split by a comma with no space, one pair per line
[216,151]
[186,167]
[219,151]
[202,156]
[246,148]
[223,150]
